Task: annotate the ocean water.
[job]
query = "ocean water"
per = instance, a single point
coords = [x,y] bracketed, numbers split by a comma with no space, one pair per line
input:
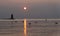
[35,27]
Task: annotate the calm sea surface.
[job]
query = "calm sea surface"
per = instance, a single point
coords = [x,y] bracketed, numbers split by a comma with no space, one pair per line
[35,27]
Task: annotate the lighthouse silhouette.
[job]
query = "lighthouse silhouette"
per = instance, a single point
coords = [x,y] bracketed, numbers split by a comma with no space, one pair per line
[12,16]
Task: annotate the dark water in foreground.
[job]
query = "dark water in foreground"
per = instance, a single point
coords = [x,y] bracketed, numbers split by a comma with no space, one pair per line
[36,28]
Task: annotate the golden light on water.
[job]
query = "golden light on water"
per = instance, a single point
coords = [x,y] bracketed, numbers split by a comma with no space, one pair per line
[25,34]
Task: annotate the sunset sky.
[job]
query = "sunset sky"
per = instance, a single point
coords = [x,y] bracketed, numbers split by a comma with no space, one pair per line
[36,8]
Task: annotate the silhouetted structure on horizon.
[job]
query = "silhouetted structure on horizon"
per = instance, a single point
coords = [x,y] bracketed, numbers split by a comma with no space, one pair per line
[12,16]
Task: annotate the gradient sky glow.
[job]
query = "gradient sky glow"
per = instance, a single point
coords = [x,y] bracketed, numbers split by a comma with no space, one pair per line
[37,8]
